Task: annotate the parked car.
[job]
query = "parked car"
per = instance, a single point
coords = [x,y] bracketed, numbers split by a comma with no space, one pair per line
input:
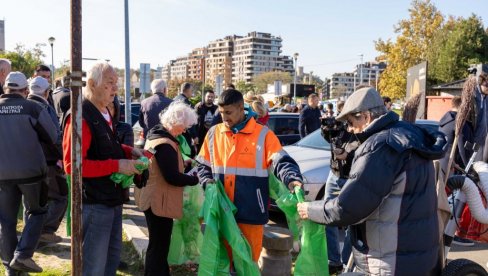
[312,153]
[285,126]
[135,107]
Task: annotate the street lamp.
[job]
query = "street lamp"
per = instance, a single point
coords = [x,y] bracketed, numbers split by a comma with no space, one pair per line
[51,42]
[295,56]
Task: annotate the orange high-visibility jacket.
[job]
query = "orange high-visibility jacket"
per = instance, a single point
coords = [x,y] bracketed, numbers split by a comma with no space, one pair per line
[242,162]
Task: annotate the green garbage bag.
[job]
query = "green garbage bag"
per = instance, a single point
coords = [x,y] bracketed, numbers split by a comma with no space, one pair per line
[126,180]
[287,202]
[186,238]
[313,259]
[218,213]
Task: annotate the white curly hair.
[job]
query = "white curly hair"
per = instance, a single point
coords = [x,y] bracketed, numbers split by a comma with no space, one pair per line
[178,113]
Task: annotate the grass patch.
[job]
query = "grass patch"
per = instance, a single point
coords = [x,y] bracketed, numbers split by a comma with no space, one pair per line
[131,258]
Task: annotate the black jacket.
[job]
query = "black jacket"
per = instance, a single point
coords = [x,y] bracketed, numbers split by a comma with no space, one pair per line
[24,125]
[309,120]
[150,109]
[447,125]
[205,119]
[52,151]
[104,145]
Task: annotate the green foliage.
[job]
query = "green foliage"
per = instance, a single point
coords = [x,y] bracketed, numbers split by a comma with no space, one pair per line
[244,87]
[415,36]
[23,59]
[460,43]
[261,81]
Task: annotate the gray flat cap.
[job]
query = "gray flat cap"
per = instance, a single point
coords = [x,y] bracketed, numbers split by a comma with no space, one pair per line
[361,100]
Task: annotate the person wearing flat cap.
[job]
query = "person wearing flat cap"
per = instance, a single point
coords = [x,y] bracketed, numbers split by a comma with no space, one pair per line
[390,198]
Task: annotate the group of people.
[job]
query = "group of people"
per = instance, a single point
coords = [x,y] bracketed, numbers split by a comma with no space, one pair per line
[392,223]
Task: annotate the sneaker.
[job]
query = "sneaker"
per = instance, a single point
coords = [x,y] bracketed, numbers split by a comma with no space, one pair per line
[50,238]
[462,242]
[26,265]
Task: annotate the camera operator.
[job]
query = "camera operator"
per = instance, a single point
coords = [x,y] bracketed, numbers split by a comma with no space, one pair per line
[343,145]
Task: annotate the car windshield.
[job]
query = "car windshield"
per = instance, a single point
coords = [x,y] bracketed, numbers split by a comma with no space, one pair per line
[314,140]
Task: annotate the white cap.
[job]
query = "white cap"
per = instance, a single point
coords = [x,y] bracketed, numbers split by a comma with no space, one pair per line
[16,80]
[38,85]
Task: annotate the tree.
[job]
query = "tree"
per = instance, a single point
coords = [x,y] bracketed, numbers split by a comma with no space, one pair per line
[338,91]
[24,60]
[244,87]
[410,48]
[261,81]
[460,43]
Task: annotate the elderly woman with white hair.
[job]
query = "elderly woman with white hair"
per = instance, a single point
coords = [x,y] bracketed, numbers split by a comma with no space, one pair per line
[162,197]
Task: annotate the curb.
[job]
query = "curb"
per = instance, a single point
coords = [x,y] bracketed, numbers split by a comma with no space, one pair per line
[139,240]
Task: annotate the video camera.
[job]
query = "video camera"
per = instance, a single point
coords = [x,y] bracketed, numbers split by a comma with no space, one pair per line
[331,123]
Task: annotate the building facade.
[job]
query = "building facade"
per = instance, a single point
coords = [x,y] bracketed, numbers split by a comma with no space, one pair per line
[180,68]
[233,58]
[196,64]
[342,84]
[219,59]
[255,54]
[2,35]
[369,72]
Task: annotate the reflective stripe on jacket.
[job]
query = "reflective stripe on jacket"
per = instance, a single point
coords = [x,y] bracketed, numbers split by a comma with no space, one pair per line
[242,162]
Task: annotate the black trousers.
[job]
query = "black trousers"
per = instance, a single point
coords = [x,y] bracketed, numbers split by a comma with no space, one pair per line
[160,229]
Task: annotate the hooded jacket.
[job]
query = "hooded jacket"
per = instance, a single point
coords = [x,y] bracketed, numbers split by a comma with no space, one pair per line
[390,199]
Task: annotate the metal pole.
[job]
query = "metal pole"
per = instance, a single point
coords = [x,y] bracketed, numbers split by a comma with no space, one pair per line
[76,176]
[354,84]
[295,83]
[52,65]
[376,76]
[361,70]
[127,65]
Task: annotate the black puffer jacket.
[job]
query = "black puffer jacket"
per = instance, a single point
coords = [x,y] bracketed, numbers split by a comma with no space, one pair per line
[390,199]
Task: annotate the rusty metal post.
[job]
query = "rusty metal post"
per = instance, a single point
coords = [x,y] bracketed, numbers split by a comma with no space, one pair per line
[76,179]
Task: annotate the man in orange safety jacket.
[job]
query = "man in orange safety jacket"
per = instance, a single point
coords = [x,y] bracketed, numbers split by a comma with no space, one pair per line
[241,153]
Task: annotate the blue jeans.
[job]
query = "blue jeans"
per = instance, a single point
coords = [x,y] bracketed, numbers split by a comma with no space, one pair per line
[35,196]
[102,239]
[333,187]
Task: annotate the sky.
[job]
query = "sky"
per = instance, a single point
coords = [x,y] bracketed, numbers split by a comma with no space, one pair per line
[329,36]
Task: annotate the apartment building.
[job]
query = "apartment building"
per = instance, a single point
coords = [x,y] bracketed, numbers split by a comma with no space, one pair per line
[369,72]
[166,72]
[180,68]
[219,59]
[341,83]
[255,54]
[2,35]
[196,63]
[286,64]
